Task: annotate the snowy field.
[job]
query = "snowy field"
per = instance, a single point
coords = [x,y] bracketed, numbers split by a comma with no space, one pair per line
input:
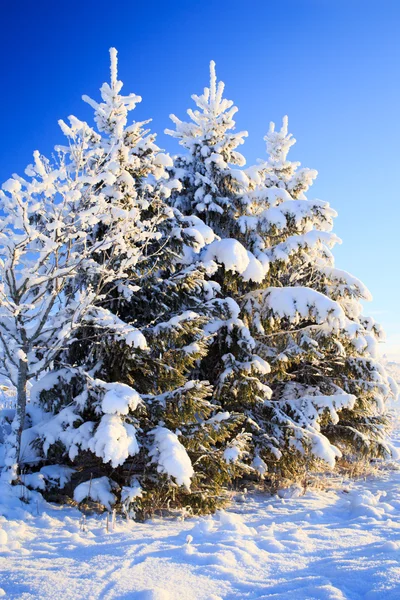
[333,545]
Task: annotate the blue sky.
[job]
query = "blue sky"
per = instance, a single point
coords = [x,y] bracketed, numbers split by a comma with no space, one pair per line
[332,66]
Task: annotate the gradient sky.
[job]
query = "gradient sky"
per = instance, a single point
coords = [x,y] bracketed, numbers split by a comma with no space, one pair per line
[331,65]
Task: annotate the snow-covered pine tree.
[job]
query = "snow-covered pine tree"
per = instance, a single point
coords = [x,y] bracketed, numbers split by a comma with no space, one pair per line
[126,413]
[329,390]
[214,188]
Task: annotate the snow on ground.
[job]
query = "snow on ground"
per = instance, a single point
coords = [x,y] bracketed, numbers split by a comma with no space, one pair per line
[333,545]
[339,544]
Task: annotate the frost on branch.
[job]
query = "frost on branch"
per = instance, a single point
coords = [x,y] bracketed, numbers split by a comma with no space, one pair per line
[111,434]
[234,257]
[170,456]
[44,251]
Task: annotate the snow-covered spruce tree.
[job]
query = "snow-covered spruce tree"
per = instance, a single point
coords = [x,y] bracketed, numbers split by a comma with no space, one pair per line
[126,413]
[303,315]
[215,189]
[329,391]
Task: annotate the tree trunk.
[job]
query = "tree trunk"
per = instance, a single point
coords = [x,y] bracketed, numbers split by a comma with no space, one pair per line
[13,443]
[21,408]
